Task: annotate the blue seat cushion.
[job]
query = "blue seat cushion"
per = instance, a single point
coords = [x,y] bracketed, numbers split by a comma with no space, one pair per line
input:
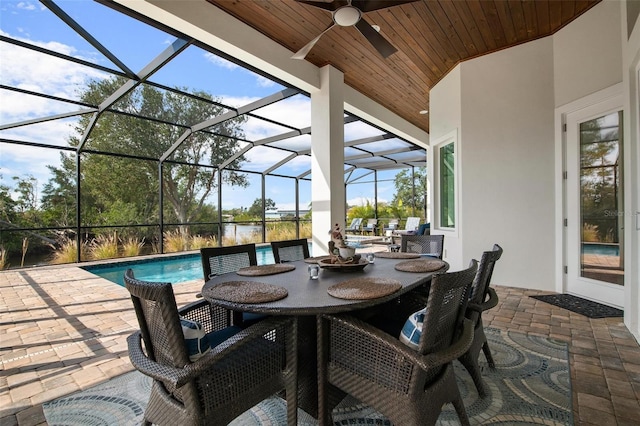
[423,228]
[249,318]
[199,342]
[217,337]
[412,329]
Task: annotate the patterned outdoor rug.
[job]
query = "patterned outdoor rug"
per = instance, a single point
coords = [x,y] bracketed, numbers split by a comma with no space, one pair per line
[529,386]
[580,306]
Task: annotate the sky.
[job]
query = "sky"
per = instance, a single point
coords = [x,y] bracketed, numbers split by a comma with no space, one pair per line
[136,44]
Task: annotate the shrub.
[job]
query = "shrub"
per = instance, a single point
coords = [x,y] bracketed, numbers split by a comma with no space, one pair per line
[67,251]
[132,246]
[590,233]
[198,241]
[3,259]
[175,241]
[104,247]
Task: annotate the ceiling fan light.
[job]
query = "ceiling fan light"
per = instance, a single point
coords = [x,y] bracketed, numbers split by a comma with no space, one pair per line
[346,16]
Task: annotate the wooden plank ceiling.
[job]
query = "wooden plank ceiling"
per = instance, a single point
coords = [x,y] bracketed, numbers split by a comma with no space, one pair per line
[432,37]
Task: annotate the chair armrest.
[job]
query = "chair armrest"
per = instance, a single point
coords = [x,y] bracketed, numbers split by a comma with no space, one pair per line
[149,367]
[491,302]
[180,376]
[474,307]
[360,331]
[249,335]
[455,351]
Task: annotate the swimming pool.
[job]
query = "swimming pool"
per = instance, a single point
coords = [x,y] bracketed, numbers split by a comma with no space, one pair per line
[601,249]
[174,269]
[359,241]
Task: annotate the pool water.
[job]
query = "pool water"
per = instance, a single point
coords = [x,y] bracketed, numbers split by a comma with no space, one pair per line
[601,249]
[173,269]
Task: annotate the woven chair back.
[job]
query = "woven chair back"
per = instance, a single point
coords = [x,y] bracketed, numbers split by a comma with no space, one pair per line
[290,250]
[157,314]
[481,282]
[446,305]
[221,260]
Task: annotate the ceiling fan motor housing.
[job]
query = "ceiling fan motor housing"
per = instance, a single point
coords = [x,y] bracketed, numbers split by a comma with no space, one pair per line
[347,16]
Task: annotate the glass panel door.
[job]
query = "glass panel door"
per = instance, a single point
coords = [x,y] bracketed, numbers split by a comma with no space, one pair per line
[594,203]
[601,200]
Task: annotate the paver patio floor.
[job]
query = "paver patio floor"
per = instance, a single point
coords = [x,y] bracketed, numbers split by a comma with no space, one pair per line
[63,329]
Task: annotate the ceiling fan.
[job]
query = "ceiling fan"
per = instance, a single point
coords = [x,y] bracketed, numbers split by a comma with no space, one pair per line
[349,13]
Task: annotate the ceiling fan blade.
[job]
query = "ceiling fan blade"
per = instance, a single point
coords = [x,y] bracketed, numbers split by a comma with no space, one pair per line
[381,44]
[371,5]
[302,53]
[329,5]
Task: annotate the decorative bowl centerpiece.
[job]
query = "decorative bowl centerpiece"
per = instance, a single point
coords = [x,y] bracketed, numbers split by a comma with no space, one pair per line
[340,253]
[347,252]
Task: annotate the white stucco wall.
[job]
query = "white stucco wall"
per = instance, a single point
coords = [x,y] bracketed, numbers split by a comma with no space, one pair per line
[444,118]
[587,53]
[507,146]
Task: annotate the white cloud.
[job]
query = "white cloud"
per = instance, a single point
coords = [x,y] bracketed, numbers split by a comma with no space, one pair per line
[30,70]
[360,201]
[26,5]
[264,82]
[221,62]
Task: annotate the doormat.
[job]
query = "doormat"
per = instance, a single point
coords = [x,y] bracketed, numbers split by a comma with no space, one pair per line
[581,306]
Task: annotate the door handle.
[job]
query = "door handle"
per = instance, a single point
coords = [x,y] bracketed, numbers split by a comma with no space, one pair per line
[637,221]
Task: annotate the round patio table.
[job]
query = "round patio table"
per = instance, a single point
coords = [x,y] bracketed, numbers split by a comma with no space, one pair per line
[307,300]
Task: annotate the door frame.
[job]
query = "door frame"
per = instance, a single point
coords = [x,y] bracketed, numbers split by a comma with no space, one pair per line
[561,114]
[575,283]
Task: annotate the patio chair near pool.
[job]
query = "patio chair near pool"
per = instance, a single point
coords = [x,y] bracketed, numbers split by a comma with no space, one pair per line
[391,226]
[290,250]
[222,260]
[410,226]
[204,371]
[370,227]
[355,225]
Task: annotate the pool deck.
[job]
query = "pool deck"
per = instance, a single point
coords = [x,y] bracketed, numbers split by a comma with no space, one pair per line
[63,329]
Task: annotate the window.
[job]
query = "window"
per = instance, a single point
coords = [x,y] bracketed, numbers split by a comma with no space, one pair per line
[446,168]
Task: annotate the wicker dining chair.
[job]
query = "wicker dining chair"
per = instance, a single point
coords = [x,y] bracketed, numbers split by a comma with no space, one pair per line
[222,260]
[290,250]
[482,298]
[431,245]
[407,386]
[241,368]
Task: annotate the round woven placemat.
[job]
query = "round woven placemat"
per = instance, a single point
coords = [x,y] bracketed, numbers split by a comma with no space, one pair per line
[246,292]
[260,270]
[420,265]
[364,288]
[396,255]
[316,259]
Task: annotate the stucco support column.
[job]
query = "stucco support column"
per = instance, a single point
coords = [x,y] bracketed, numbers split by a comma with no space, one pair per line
[327,157]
